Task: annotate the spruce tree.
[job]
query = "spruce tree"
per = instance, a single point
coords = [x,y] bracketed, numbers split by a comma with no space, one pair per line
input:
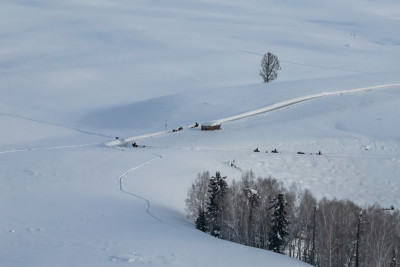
[217,190]
[279,225]
[393,262]
[200,221]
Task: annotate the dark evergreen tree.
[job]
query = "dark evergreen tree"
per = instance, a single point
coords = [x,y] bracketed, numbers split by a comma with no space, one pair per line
[214,215]
[358,237]
[279,225]
[201,223]
[393,262]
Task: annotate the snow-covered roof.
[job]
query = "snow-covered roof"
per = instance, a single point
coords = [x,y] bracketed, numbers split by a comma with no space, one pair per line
[210,124]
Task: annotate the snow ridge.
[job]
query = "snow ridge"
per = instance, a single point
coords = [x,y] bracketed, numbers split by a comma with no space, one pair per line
[298,100]
[277,106]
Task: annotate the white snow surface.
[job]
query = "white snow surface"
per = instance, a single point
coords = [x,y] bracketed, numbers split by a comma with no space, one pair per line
[76,74]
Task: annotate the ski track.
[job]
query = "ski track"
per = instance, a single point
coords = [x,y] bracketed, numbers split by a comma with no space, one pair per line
[121,188]
[47,148]
[307,65]
[268,109]
[54,124]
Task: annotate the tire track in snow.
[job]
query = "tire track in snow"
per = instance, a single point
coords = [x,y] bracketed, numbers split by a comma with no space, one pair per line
[271,108]
[121,188]
[308,65]
[54,124]
[47,148]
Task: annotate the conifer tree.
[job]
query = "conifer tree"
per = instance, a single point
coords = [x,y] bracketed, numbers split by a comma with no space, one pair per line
[200,221]
[214,215]
[279,225]
[393,262]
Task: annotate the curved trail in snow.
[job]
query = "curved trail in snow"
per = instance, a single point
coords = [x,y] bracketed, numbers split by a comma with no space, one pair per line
[271,108]
[121,188]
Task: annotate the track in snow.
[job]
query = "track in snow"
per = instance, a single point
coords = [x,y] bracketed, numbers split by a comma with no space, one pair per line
[275,107]
[121,188]
[47,148]
[308,65]
[54,124]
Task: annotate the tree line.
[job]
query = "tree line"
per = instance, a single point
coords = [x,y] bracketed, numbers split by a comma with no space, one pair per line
[264,213]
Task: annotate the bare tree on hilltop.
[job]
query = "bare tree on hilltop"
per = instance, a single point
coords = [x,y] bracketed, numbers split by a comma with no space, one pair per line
[269,67]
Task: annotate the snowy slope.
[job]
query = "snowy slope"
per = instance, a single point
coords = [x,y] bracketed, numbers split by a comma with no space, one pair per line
[76,74]
[90,204]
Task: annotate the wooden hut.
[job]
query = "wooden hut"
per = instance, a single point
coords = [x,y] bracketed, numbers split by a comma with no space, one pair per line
[210,126]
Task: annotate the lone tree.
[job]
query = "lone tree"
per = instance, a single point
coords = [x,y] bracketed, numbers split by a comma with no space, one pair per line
[269,67]
[279,225]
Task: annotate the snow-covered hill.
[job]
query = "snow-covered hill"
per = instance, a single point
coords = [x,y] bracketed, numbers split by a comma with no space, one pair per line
[75,75]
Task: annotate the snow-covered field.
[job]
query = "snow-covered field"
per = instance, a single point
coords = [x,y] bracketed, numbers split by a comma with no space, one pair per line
[76,74]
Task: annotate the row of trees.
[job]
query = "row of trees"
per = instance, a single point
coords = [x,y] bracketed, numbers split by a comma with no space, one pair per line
[262,212]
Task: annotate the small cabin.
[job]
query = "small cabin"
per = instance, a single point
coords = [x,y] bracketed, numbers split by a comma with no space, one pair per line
[210,126]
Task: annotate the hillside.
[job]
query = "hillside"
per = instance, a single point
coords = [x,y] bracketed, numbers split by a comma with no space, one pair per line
[76,75]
